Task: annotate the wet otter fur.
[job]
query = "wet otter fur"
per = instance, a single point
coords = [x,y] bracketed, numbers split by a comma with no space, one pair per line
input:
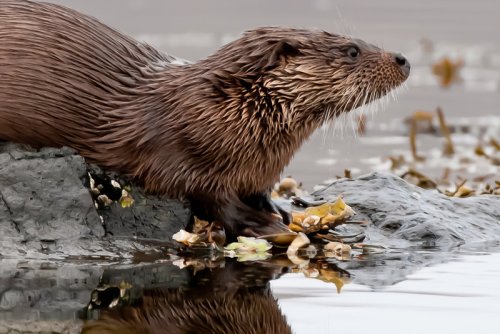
[217,132]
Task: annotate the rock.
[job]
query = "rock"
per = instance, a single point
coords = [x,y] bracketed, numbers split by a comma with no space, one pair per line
[149,217]
[402,214]
[47,212]
[42,197]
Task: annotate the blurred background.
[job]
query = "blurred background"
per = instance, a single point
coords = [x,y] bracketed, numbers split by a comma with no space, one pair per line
[426,31]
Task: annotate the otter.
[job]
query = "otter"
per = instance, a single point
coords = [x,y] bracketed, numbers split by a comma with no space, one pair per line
[217,132]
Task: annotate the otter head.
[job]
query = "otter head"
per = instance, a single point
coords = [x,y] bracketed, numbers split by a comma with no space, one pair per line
[258,99]
[313,73]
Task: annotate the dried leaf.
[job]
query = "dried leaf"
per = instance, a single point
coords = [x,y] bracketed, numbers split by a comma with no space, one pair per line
[298,217]
[186,238]
[311,221]
[319,211]
[341,209]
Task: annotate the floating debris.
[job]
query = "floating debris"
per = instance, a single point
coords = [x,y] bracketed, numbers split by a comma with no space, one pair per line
[448,71]
[249,245]
[397,162]
[109,296]
[460,190]
[413,142]
[248,249]
[305,203]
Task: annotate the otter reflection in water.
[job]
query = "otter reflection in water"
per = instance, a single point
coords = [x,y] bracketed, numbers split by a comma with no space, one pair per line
[232,299]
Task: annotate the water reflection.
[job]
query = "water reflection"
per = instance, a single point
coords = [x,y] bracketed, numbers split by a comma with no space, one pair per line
[198,295]
[205,297]
[206,294]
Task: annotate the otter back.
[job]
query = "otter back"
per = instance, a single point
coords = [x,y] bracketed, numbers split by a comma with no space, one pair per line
[56,60]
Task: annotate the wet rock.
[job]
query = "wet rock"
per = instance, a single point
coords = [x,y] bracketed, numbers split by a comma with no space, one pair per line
[402,214]
[42,200]
[149,217]
[47,212]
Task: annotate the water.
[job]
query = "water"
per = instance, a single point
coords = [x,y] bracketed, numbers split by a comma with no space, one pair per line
[459,296]
[433,291]
[411,291]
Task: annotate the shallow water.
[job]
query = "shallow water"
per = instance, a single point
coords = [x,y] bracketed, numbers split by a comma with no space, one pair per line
[433,291]
[412,291]
[457,294]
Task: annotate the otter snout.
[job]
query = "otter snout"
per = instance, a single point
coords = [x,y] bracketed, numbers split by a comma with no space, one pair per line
[402,62]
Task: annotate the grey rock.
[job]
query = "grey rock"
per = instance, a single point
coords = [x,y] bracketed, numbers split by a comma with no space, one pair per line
[402,214]
[47,212]
[41,196]
[150,217]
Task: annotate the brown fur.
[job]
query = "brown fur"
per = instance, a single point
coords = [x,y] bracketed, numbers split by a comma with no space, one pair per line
[173,312]
[223,127]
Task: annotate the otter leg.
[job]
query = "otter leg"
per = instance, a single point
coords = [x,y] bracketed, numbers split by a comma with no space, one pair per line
[254,216]
[263,202]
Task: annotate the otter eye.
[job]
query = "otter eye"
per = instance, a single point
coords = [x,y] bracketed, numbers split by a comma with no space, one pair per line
[353,52]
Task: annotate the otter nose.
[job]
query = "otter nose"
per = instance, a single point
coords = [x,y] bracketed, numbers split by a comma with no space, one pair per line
[402,62]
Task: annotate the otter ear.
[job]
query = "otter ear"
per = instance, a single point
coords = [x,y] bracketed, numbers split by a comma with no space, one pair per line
[279,52]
